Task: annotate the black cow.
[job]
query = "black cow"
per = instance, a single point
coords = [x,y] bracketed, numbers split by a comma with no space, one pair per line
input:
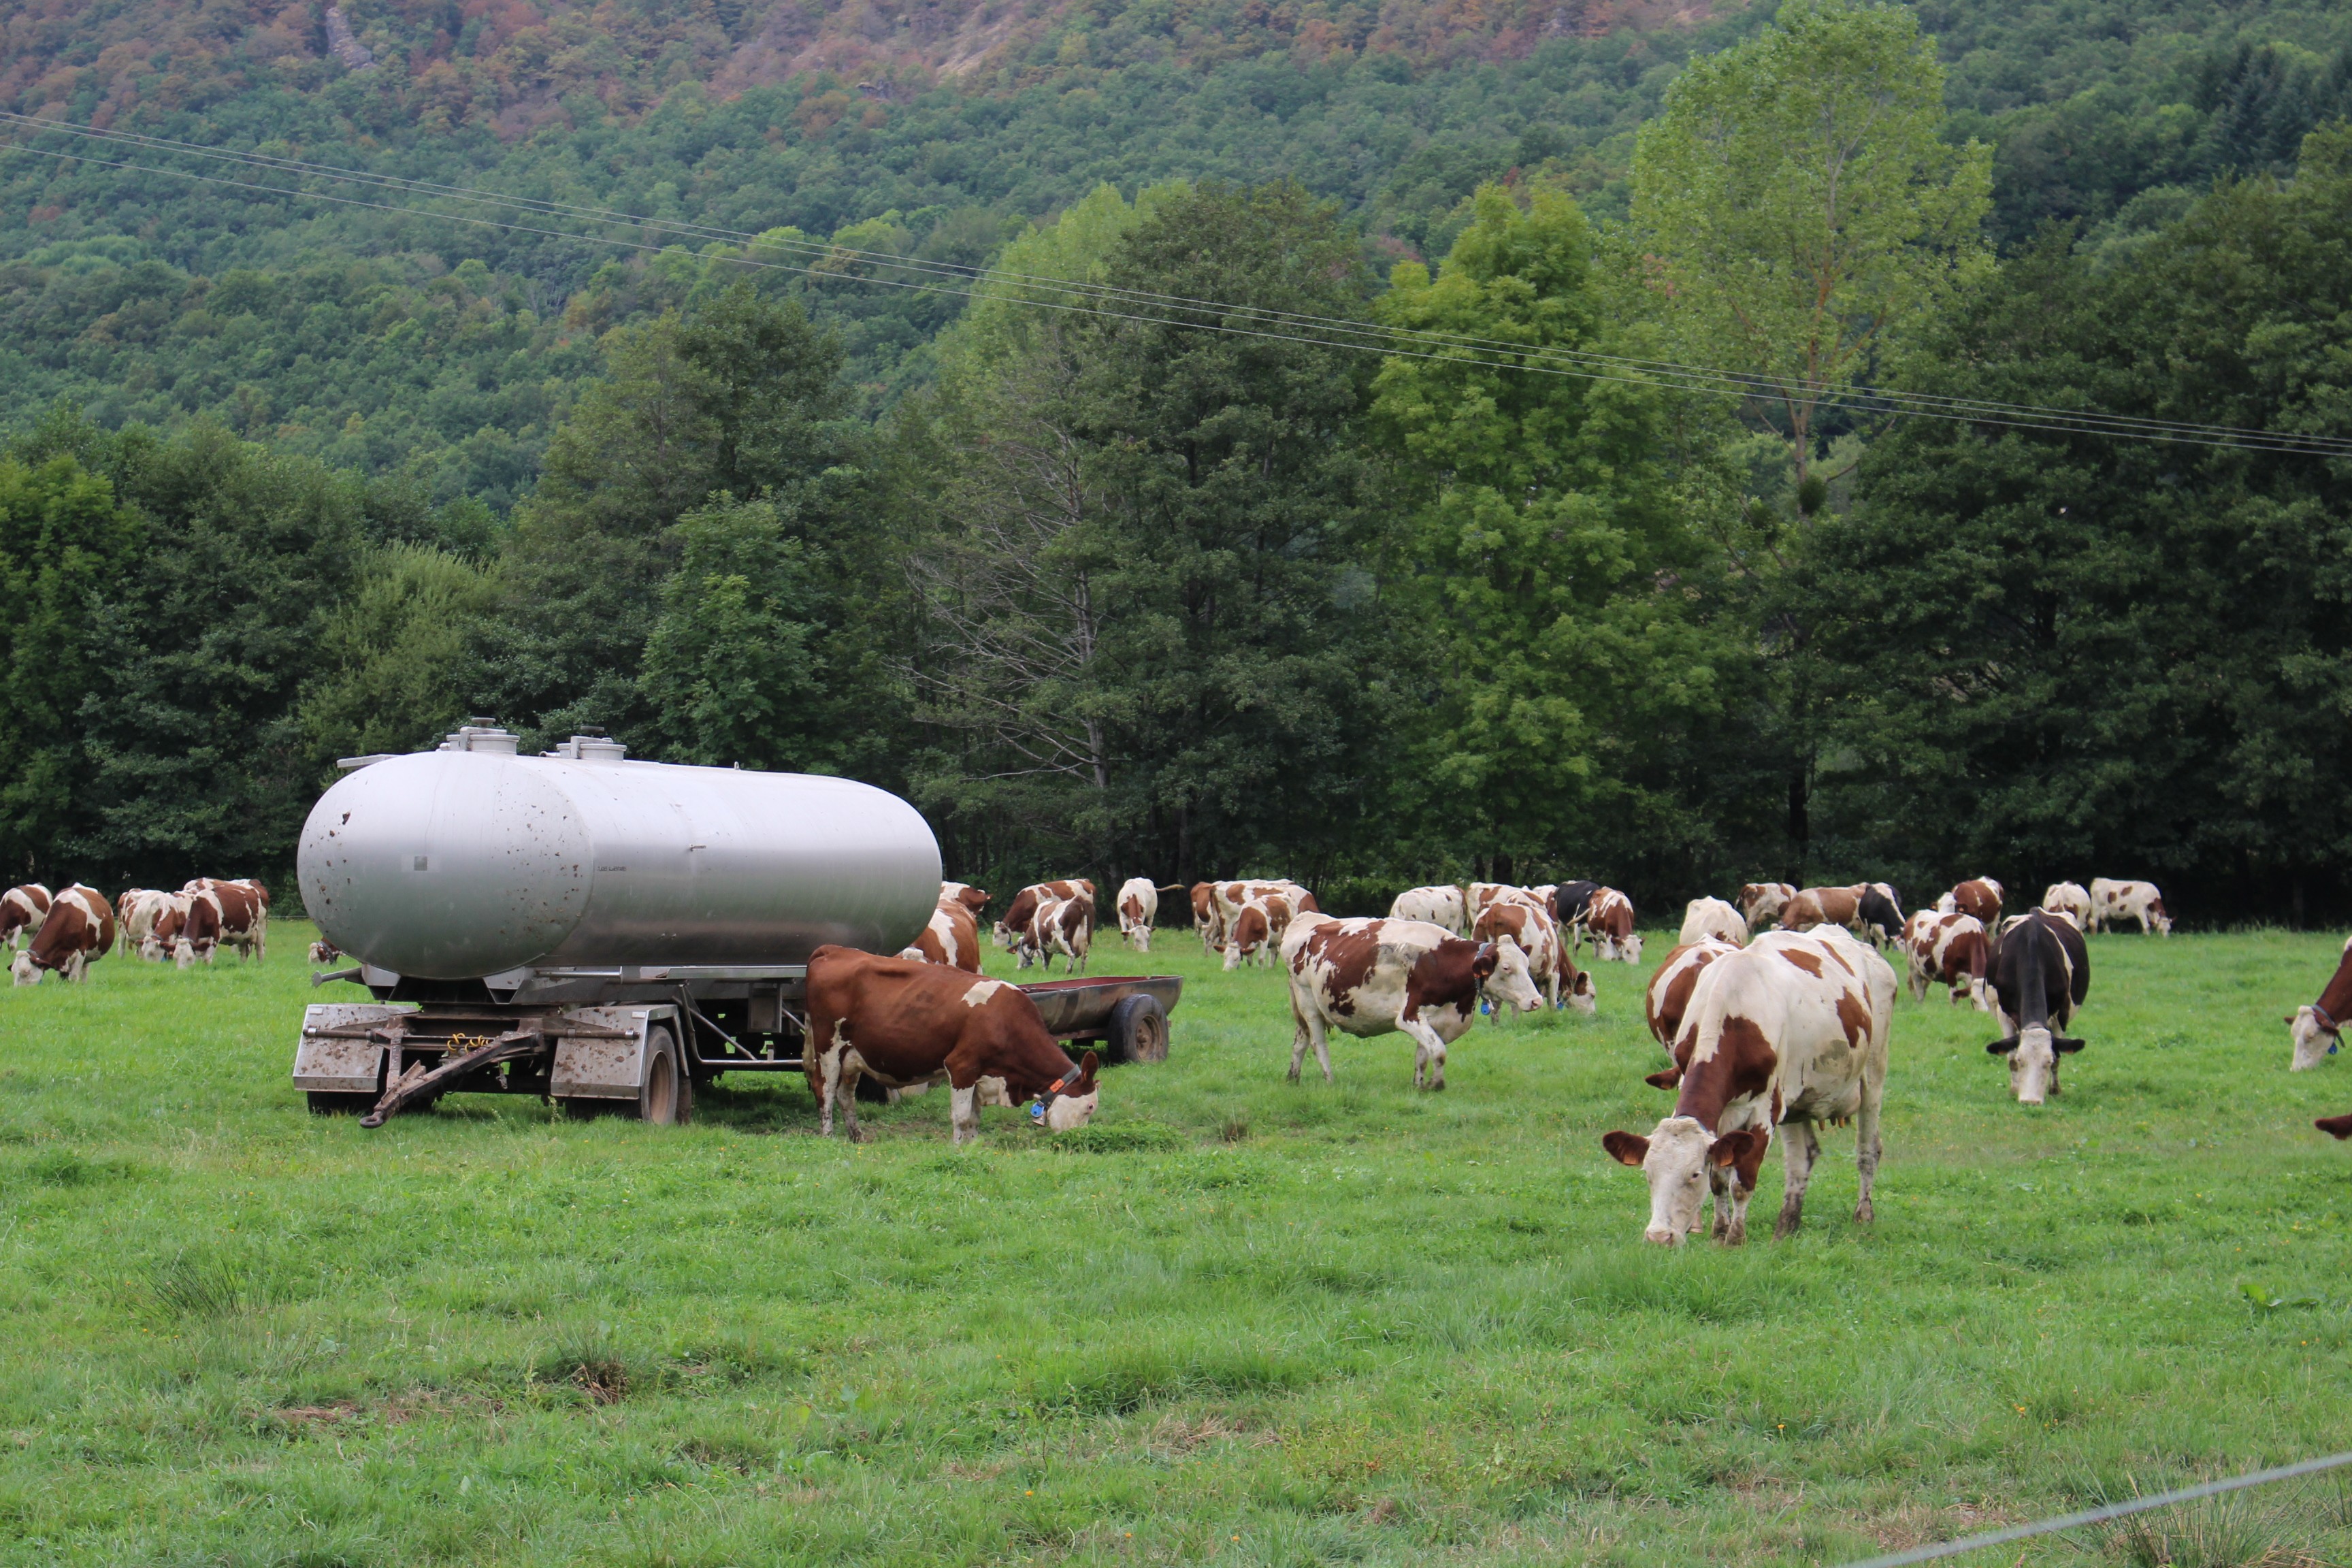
[2041,972]
[1881,914]
[1570,900]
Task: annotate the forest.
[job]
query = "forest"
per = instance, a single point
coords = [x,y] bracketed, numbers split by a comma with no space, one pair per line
[1134,587]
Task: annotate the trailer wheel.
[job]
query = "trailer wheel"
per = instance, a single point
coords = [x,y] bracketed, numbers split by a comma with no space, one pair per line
[1139,1030]
[334,1103]
[668,1098]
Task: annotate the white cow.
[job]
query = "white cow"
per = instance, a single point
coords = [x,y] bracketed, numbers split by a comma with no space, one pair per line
[1792,1028]
[1367,977]
[2112,903]
[1438,906]
[1704,918]
[1139,907]
[2070,900]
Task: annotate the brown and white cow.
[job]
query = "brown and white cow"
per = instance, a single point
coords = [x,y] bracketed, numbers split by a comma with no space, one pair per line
[1014,928]
[952,935]
[1608,919]
[1979,896]
[1712,918]
[78,927]
[2112,903]
[22,910]
[2317,1024]
[1257,928]
[2070,900]
[1790,1031]
[1137,908]
[135,914]
[1478,895]
[1761,903]
[1230,897]
[231,913]
[1367,977]
[1066,926]
[1950,950]
[904,1023]
[1668,996]
[1548,963]
[1433,905]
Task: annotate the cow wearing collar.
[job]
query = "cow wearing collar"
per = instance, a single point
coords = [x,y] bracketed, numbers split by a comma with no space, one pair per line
[1791,1031]
[2041,972]
[903,1023]
[2317,1024]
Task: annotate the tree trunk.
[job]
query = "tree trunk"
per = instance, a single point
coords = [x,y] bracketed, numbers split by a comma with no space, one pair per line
[1800,820]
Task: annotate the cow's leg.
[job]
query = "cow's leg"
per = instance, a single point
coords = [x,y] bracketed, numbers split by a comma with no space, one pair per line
[1721,1181]
[963,1113]
[1735,1233]
[828,1067]
[1428,1051]
[1865,1144]
[1800,1148]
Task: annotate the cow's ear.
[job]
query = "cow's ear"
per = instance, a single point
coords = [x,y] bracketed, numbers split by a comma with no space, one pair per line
[2064,1046]
[2288,1019]
[1484,964]
[2002,1047]
[1087,1065]
[1734,1147]
[1667,1080]
[1627,1148]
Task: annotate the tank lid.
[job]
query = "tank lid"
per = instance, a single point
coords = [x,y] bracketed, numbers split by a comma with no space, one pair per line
[590,749]
[482,736]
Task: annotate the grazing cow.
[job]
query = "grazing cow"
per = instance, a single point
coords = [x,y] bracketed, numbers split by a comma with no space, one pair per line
[1979,896]
[1790,1030]
[1367,977]
[1482,894]
[1609,922]
[1878,914]
[231,913]
[1014,926]
[1257,928]
[2041,973]
[1669,994]
[973,900]
[1952,949]
[1712,918]
[2317,1024]
[1568,901]
[1549,964]
[2068,899]
[78,927]
[1139,906]
[135,914]
[903,1024]
[325,952]
[1761,903]
[952,936]
[2112,903]
[1821,906]
[22,910]
[1437,906]
[1066,926]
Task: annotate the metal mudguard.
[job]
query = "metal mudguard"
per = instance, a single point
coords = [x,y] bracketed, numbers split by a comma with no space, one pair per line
[328,1062]
[601,1069]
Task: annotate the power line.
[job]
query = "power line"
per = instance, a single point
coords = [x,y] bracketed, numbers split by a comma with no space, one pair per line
[1092,298]
[2101,1515]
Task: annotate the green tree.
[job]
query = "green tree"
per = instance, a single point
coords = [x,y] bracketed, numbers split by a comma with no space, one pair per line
[1568,609]
[1804,209]
[395,654]
[65,545]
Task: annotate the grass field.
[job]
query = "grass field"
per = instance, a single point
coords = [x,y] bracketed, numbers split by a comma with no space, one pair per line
[1234,1322]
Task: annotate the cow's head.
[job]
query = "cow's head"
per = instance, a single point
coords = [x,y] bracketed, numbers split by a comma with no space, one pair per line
[25,971]
[1581,996]
[1675,1160]
[1248,935]
[1501,970]
[2032,1054]
[1628,947]
[2157,918]
[2315,1036]
[1070,1101]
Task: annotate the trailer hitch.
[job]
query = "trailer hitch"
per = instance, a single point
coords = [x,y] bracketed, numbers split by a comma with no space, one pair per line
[416,1087]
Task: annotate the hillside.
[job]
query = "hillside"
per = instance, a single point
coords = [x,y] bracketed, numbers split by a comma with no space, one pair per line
[396,343]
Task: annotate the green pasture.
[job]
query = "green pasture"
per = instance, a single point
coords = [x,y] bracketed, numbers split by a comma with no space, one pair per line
[1234,1321]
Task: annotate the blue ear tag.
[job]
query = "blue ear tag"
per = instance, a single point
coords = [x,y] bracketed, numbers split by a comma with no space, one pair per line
[2331,1047]
[1485,1008]
[1037,1111]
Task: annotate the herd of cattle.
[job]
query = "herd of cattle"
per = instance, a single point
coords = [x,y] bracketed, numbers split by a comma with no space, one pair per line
[1774,1013]
[65,933]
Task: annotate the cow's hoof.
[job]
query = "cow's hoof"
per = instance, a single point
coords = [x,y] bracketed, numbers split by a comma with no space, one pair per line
[1787,1226]
[1863,1214]
[1736,1236]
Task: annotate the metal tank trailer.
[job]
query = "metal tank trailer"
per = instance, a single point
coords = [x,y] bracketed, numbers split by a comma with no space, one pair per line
[598,931]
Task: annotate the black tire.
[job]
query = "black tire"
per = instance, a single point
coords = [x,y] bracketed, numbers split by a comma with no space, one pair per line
[668,1098]
[1139,1030]
[336,1102]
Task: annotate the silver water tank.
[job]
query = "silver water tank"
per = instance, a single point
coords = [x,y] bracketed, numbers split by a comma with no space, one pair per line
[473,862]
